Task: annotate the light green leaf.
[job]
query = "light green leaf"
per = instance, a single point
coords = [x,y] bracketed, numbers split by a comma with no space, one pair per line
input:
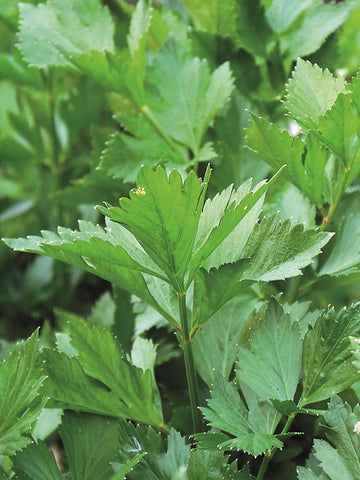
[215,344]
[345,256]
[283,13]
[221,216]
[278,250]
[36,462]
[51,33]
[331,461]
[227,412]
[343,433]
[21,377]
[338,128]
[277,148]
[90,444]
[327,354]
[199,94]
[102,358]
[103,312]
[163,214]
[271,366]
[137,40]
[47,422]
[319,22]
[310,92]
[307,474]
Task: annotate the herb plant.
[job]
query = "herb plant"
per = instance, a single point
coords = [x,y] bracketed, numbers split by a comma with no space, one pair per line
[206,325]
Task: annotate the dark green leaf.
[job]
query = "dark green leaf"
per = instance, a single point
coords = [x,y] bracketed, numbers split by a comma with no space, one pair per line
[36,462]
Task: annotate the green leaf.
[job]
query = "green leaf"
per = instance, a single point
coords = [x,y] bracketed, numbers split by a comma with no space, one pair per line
[199,94]
[343,433]
[214,288]
[221,216]
[102,358]
[327,354]
[47,422]
[338,128]
[331,461]
[137,40]
[21,377]
[307,474]
[215,344]
[163,214]
[36,462]
[205,465]
[283,13]
[141,144]
[271,366]
[345,256]
[51,33]
[70,388]
[90,444]
[319,22]
[277,148]
[310,92]
[227,412]
[278,250]
[114,255]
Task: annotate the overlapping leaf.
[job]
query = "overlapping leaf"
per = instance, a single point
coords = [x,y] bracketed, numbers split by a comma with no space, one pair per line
[21,378]
[327,354]
[310,92]
[271,365]
[228,413]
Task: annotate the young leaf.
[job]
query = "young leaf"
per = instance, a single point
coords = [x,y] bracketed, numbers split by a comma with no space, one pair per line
[90,444]
[345,256]
[310,92]
[163,214]
[227,412]
[271,366]
[327,354]
[36,462]
[52,33]
[283,13]
[21,377]
[278,250]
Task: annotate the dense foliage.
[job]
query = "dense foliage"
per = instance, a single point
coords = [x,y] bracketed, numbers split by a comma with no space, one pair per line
[206,325]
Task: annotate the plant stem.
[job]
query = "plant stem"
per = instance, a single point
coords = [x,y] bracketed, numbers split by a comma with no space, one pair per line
[328,218]
[189,365]
[269,455]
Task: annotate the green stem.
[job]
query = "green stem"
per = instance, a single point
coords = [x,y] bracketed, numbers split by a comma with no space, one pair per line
[190,370]
[269,455]
[328,218]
